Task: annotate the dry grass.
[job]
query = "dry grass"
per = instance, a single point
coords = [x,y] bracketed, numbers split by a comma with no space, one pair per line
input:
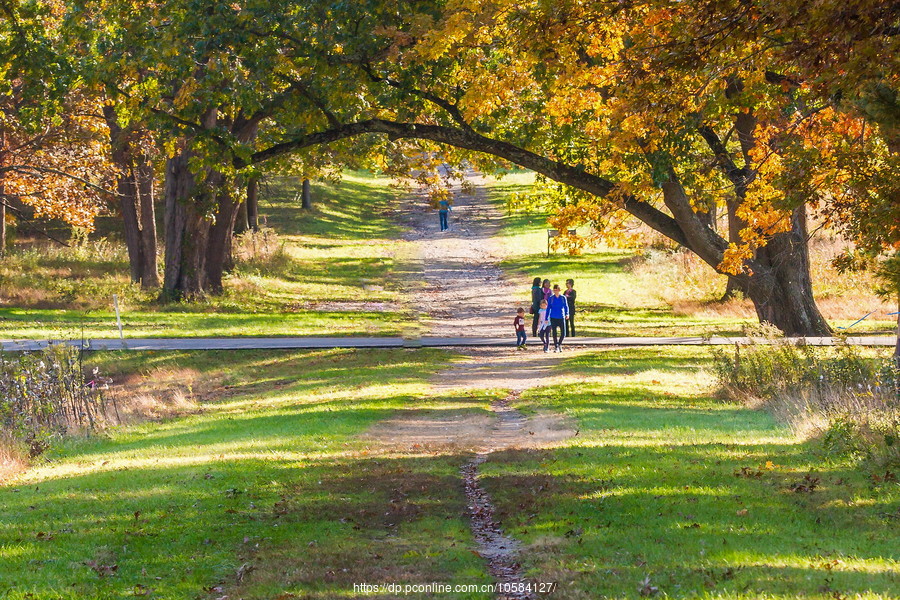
[161,393]
[680,279]
[150,396]
[844,396]
[13,459]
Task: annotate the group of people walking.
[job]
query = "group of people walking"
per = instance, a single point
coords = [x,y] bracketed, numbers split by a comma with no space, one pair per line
[553,313]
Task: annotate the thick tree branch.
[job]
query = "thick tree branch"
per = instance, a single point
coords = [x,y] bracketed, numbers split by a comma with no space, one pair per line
[301,87]
[470,140]
[705,242]
[737,176]
[449,107]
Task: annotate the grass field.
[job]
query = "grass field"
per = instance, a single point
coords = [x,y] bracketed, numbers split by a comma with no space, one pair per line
[668,489]
[270,476]
[268,490]
[328,270]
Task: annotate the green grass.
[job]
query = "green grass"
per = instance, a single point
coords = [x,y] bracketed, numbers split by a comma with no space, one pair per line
[664,482]
[273,475]
[61,324]
[273,480]
[313,272]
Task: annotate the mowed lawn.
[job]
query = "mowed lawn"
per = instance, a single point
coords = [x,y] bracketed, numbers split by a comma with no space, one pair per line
[267,490]
[272,490]
[668,492]
[329,270]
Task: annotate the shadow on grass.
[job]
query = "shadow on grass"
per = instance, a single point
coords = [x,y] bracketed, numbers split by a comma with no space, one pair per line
[563,267]
[686,518]
[271,480]
[692,497]
[633,361]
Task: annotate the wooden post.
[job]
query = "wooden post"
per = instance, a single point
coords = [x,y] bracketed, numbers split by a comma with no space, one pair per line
[118,316]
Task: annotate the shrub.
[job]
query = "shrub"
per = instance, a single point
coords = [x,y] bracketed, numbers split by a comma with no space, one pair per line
[840,394]
[44,395]
[262,252]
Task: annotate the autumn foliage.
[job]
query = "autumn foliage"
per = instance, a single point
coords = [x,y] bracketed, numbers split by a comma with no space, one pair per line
[720,124]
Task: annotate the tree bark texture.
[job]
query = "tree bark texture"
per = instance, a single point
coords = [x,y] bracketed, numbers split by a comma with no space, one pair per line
[781,290]
[253,204]
[241,224]
[149,243]
[200,222]
[2,196]
[220,243]
[305,196]
[2,221]
[135,189]
[736,285]
[187,232]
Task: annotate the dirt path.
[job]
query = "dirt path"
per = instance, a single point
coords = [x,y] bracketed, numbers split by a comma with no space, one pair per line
[465,431]
[453,431]
[462,291]
[499,551]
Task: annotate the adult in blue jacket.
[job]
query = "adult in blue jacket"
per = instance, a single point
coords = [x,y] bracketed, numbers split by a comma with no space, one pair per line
[558,311]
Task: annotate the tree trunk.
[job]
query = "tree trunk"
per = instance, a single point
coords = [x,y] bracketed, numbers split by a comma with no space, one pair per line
[780,285]
[897,345]
[778,280]
[126,188]
[736,285]
[241,224]
[187,232]
[128,200]
[221,235]
[147,195]
[305,196]
[2,221]
[2,197]
[136,202]
[253,203]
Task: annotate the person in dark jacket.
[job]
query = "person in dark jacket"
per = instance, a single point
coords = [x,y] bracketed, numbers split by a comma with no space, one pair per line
[558,313]
[536,296]
[570,300]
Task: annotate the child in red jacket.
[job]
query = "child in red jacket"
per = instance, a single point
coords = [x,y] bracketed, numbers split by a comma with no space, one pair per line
[519,324]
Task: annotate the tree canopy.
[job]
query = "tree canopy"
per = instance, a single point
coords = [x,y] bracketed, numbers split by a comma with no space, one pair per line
[664,112]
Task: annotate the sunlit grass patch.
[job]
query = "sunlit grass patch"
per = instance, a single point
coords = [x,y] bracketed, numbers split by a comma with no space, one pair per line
[327,270]
[270,478]
[667,488]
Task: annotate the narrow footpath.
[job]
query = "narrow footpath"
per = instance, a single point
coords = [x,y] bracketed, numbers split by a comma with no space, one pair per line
[461,289]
